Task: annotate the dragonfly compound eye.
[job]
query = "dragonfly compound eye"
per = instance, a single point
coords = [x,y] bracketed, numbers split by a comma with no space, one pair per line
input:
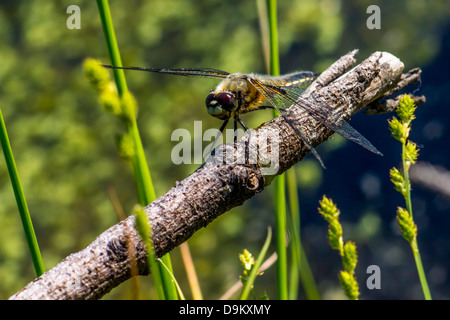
[221,105]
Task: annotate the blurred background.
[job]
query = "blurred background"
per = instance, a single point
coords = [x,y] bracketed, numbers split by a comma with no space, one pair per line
[64,143]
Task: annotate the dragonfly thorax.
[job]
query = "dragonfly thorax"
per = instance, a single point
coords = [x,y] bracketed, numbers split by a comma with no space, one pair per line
[234,95]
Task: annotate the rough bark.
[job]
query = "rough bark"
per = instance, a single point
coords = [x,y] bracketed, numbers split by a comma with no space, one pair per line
[216,187]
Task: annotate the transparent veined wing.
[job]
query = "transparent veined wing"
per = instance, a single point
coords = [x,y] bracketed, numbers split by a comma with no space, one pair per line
[284,96]
[187,72]
[273,94]
[321,113]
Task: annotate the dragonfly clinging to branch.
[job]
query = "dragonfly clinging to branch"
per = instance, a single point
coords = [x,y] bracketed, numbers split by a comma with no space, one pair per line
[240,93]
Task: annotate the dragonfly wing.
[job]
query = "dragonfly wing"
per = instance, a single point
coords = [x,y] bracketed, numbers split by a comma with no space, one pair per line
[321,112]
[199,72]
[301,79]
[350,133]
[281,105]
[275,88]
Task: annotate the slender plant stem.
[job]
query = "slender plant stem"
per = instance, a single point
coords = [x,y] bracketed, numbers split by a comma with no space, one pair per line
[414,245]
[280,228]
[299,263]
[190,272]
[420,271]
[146,192]
[273,37]
[255,268]
[306,276]
[279,184]
[294,228]
[144,229]
[180,292]
[113,48]
[20,199]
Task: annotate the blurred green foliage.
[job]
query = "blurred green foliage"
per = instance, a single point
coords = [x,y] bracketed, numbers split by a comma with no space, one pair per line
[64,144]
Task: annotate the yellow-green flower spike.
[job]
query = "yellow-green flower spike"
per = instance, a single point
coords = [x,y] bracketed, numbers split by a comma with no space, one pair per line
[411,153]
[125,146]
[96,74]
[142,225]
[247,260]
[398,181]
[335,235]
[398,130]
[328,209]
[350,257]
[110,101]
[330,213]
[349,284]
[348,253]
[406,109]
[406,224]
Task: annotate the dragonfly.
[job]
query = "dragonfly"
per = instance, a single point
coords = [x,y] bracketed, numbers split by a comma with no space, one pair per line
[240,93]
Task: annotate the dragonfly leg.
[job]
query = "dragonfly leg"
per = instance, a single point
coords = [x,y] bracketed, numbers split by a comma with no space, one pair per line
[235,131]
[302,137]
[239,120]
[211,150]
[236,118]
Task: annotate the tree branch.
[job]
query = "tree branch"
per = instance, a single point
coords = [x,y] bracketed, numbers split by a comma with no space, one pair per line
[382,105]
[216,187]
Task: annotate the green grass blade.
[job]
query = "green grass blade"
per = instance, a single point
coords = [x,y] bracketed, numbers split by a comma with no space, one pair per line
[144,183]
[180,292]
[306,277]
[279,183]
[420,270]
[280,236]
[20,199]
[299,264]
[113,48]
[273,38]
[143,227]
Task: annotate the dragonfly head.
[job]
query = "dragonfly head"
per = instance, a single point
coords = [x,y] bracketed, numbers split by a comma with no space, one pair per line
[221,105]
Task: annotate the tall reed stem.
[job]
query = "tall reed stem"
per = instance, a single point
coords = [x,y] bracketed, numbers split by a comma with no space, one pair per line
[20,199]
[279,183]
[146,192]
[413,243]
[400,129]
[299,264]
